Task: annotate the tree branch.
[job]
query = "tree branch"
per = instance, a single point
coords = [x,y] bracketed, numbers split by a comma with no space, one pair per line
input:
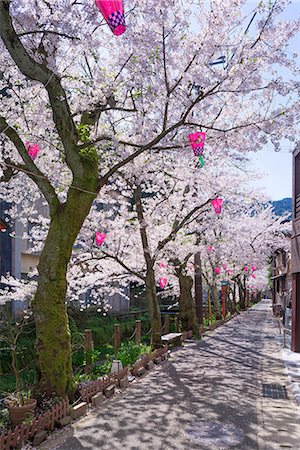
[37,72]
[30,168]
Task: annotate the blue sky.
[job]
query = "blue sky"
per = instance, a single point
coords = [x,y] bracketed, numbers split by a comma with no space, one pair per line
[277,166]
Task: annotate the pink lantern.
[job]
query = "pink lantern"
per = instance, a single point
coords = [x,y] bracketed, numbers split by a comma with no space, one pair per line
[224,266]
[217,205]
[162,265]
[113,13]
[253,275]
[210,249]
[217,270]
[254,268]
[32,149]
[230,272]
[197,141]
[246,269]
[163,282]
[100,238]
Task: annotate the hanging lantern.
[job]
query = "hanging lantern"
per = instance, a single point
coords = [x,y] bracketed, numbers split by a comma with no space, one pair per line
[224,266]
[230,272]
[197,141]
[100,238]
[254,268]
[253,275]
[246,269]
[163,282]
[210,249]
[113,13]
[217,205]
[32,149]
[162,265]
[217,270]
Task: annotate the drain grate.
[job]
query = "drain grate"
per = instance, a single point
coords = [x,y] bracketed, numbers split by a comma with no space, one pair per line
[216,434]
[275,391]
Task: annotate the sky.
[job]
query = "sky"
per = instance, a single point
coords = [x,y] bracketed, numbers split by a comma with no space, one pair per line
[277,165]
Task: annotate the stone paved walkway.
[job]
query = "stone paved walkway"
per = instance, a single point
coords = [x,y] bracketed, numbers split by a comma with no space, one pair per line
[208,395]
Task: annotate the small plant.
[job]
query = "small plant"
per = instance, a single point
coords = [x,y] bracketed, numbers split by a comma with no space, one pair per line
[18,398]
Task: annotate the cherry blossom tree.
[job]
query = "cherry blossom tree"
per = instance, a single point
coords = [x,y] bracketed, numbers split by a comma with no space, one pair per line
[78,104]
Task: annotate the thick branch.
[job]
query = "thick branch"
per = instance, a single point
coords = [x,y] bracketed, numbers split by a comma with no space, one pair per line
[143,227]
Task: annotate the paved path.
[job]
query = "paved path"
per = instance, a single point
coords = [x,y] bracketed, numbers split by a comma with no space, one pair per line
[208,395]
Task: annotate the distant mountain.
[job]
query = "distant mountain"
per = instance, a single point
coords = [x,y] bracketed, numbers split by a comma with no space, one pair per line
[282,206]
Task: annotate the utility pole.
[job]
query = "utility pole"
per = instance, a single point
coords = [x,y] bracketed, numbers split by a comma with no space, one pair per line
[198,288]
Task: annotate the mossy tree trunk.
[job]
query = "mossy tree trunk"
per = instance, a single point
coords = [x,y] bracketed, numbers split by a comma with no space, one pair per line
[187,309]
[53,341]
[216,301]
[154,309]
[151,295]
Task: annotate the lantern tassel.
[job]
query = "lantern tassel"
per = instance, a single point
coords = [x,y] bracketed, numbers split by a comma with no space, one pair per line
[201,160]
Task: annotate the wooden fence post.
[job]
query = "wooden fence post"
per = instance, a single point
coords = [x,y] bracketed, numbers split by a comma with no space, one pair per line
[138,332]
[117,337]
[88,347]
[166,324]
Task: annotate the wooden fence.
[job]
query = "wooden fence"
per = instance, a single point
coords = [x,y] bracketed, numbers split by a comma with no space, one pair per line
[87,390]
[46,421]
[149,357]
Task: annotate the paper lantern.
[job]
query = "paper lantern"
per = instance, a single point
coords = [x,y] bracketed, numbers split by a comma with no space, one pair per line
[210,249]
[217,270]
[163,282]
[230,272]
[254,268]
[100,238]
[32,149]
[253,275]
[197,141]
[113,13]
[162,265]
[217,205]
[246,269]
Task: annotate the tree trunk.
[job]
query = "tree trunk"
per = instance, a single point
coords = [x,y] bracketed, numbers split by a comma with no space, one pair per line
[242,297]
[154,309]
[53,340]
[187,310]
[216,302]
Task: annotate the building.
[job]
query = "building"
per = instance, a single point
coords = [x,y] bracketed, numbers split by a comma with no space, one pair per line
[282,279]
[18,259]
[296,252]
